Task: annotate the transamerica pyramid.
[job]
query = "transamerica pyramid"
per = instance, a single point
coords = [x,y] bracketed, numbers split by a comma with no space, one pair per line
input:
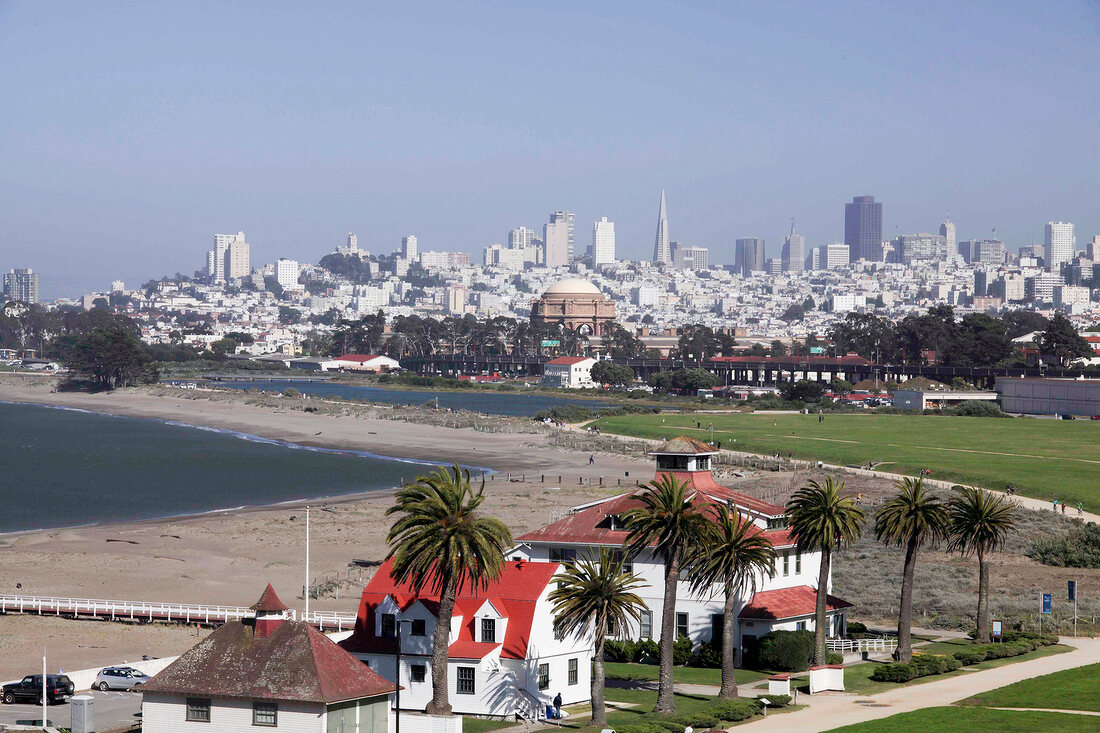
[661,250]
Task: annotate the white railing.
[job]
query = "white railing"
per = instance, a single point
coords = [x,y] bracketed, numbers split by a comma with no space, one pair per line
[854,646]
[153,611]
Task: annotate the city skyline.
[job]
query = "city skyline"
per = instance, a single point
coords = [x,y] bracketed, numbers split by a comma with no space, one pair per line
[116,170]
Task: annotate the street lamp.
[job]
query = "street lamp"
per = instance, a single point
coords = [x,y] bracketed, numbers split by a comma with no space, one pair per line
[397,674]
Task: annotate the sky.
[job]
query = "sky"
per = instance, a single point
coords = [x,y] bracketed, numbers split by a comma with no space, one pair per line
[130,133]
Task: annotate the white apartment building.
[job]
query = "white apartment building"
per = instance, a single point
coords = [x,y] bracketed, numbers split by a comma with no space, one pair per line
[409,249]
[286,273]
[230,253]
[603,242]
[556,237]
[831,256]
[687,257]
[571,372]
[444,260]
[845,302]
[947,231]
[1040,289]
[1070,295]
[507,259]
[1060,243]
[646,296]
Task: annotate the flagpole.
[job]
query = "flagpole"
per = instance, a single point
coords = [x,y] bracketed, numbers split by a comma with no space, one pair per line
[45,700]
[306,619]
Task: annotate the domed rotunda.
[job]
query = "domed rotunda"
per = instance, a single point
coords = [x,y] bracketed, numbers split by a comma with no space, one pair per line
[576,304]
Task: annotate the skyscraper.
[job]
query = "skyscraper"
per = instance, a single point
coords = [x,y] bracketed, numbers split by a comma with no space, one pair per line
[662,250]
[520,238]
[409,248]
[1060,242]
[568,218]
[947,231]
[749,255]
[603,242]
[21,284]
[237,259]
[863,229]
[556,236]
[217,258]
[794,252]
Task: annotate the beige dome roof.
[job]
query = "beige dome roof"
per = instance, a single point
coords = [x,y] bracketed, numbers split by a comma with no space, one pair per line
[572,286]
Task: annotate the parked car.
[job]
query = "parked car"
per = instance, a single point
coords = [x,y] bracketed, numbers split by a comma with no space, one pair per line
[59,688]
[119,678]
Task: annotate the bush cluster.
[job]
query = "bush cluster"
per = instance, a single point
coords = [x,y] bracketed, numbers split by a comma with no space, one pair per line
[921,666]
[1077,548]
[1015,644]
[786,651]
[855,627]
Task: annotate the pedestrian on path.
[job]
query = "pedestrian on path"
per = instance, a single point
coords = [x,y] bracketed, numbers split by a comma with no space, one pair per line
[591,459]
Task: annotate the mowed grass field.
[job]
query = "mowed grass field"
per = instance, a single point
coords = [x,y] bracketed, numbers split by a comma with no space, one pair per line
[1048,459]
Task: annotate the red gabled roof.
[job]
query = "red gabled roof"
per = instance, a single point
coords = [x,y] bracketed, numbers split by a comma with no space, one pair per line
[782,603]
[569,360]
[294,663]
[515,595]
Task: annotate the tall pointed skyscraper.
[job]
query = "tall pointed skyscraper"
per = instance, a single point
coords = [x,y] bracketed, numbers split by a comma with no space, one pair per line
[662,252]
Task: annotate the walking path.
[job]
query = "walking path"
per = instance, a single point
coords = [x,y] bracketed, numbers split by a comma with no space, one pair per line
[826,711]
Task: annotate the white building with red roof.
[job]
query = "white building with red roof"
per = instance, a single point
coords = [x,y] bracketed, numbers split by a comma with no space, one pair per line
[504,656]
[375,363]
[783,602]
[572,372]
[266,672]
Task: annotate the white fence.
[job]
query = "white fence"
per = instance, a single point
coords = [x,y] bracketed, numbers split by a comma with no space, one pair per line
[854,646]
[152,611]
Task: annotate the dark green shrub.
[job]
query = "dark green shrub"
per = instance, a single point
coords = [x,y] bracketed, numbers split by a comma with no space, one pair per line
[682,651]
[615,650]
[735,710]
[970,656]
[648,651]
[645,728]
[708,655]
[702,720]
[978,408]
[834,658]
[899,672]
[997,651]
[291,392]
[777,701]
[786,651]
[670,726]
[855,627]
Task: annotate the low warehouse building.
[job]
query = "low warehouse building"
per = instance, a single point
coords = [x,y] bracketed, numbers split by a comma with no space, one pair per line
[1043,396]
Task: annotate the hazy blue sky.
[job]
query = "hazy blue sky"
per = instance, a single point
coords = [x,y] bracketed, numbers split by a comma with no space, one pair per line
[131,132]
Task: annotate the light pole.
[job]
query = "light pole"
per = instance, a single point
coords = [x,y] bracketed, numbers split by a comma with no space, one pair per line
[397,675]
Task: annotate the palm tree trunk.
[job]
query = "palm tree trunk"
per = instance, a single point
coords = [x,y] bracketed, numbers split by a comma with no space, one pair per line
[983,599]
[905,612]
[441,642]
[729,682]
[666,703]
[599,710]
[822,600]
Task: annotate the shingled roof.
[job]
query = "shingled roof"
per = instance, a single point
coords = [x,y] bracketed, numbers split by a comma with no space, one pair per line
[269,602]
[683,445]
[783,603]
[294,663]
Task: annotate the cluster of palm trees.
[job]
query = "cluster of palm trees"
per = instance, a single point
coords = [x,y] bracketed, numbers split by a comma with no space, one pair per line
[440,541]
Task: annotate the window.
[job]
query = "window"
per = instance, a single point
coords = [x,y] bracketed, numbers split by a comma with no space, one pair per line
[573,671]
[562,554]
[797,562]
[544,676]
[489,630]
[198,709]
[627,561]
[777,522]
[800,626]
[610,627]
[717,620]
[465,680]
[681,625]
[265,713]
[646,624]
[418,627]
[389,626]
[786,562]
[702,463]
[418,673]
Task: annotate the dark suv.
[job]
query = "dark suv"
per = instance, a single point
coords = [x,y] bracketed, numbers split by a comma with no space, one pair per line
[59,688]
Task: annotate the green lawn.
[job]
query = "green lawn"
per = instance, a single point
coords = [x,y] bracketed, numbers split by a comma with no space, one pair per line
[1071,689]
[1047,459]
[687,675]
[973,720]
[484,725]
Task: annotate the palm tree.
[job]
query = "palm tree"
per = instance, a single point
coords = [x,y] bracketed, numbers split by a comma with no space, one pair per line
[441,542]
[668,523]
[591,597]
[911,519]
[979,522]
[823,520]
[733,556]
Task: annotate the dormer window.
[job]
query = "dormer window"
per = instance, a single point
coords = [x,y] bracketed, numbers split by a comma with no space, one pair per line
[611,521]
[779,522]
[489,630]
[389,626]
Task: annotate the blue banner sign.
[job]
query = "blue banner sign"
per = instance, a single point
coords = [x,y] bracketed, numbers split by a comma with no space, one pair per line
[1046,603]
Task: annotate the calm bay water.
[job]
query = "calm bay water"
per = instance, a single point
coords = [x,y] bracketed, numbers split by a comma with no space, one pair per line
[514,404]
[61,467]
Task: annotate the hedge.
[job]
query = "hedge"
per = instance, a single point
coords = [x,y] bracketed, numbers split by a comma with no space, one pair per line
[777,701]
[786,651]
[734,710]
[921,666]
[929,664]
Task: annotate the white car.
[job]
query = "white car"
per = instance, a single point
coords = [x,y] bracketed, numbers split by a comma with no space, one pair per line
[119,678]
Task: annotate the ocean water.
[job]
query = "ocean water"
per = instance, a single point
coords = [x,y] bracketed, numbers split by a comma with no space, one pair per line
[513,404]
[64,467]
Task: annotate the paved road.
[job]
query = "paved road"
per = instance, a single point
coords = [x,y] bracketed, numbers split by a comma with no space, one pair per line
[112,711]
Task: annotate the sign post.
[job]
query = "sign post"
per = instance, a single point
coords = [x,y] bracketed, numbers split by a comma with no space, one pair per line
[997,630]
[1072,591]
[1044,608]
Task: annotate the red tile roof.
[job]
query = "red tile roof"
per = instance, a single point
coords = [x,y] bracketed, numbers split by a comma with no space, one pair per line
[514,595]
[568,360]
[295,663]
[358,357]
[782,603]
[269,601]
[466,649]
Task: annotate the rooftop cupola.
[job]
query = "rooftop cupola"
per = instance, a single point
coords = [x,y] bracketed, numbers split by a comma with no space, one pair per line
[270,612]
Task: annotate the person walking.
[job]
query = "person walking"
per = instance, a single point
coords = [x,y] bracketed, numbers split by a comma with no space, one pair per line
[591,459]
[557,706]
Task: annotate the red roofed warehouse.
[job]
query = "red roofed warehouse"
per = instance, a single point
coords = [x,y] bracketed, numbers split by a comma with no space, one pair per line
[267,672]
[573,372]
[504,657]
[785,601]
[366,363]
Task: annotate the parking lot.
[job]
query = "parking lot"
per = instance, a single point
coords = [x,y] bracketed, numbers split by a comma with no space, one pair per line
[113,711]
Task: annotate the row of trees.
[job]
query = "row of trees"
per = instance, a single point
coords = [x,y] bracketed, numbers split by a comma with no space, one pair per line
[976,339]
[440,541]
